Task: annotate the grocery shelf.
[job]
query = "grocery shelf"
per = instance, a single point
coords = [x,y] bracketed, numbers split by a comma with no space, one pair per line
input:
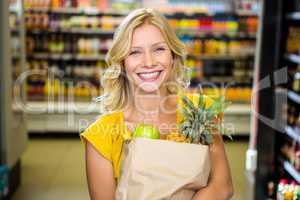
[200,34]
[40,10]
[193,33]
[293,16]
[66,56]
[77,11]
[69,106]
[293,133]
[90,57]
[55,117]
[221,57]
[14,30]
[291,170]
[246,13]
[16,57]
[293,58]
[92,31]
[294,96]
[95,12]
[60,107]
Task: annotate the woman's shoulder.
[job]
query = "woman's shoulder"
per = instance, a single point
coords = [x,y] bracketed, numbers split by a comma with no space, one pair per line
[102,134]
[106,122]
[109,118]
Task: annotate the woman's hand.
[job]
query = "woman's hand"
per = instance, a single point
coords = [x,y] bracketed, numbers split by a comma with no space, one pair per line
[100,175]
[220,185]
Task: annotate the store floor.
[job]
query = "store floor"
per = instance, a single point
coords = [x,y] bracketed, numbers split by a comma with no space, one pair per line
[54,169]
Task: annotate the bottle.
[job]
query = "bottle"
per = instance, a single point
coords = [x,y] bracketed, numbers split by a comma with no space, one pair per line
[280,189]
[296,81]
[271,190]
[291,114]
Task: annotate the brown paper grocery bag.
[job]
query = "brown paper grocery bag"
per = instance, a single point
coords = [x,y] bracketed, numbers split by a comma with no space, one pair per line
[160,169]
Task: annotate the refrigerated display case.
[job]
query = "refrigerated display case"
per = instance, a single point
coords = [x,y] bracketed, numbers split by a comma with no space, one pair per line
[13,135]
[273,159]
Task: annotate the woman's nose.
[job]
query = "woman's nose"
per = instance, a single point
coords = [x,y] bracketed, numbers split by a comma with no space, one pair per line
[148,60]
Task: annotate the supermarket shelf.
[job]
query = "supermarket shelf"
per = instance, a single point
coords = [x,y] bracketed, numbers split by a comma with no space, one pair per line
[246,13]
[220,57]
[66,56]
[78,11]
[91,57]
[53,117]
[191,33]
[72,31]
[293,16]
[40,10]
[16,57]
[200,34]
[61,107]
[14,30]
[69,107]
[293,58]
[94,12]
[293,133]
[294,96]
[292,171]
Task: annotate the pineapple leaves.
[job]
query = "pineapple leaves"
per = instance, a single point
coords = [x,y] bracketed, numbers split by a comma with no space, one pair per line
[187,113]
[201,103]
[188,103]
[200,122]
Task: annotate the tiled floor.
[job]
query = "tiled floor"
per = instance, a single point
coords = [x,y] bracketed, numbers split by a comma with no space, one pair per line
[53,169]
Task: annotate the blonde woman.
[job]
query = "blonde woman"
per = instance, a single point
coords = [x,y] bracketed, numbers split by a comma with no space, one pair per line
[145,72]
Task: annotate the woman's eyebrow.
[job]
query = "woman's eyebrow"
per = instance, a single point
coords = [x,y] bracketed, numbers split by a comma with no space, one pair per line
[154,44]
[136,47]
[157,43]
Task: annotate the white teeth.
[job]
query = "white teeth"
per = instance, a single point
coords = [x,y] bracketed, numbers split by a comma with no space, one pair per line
[149,75]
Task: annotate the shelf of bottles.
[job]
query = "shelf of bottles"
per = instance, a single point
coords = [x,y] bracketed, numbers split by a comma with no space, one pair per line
[71,40]
[17,45]
[286,184]
[15,41]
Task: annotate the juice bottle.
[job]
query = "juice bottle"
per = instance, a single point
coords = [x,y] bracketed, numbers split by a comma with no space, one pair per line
[56,3]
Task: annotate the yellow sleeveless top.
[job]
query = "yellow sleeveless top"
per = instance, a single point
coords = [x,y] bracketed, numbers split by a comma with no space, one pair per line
[107,134]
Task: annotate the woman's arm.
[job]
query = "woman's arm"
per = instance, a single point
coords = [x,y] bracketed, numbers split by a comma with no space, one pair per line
[100,175]
[220,183]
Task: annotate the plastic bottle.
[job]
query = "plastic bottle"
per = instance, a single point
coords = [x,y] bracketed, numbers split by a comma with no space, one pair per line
[280,189]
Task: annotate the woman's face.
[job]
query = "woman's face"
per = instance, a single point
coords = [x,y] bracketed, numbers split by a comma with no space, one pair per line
[149,62]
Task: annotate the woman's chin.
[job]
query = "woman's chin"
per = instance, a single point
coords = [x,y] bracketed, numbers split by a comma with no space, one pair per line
[149,87]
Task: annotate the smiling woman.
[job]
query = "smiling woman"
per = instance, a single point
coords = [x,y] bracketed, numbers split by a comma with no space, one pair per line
[149,62]
[144,75]
[143,40]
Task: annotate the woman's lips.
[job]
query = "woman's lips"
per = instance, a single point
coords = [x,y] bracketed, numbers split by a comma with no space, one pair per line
[149,76]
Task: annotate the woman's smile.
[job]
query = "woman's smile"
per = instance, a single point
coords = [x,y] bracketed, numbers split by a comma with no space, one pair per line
[150,76]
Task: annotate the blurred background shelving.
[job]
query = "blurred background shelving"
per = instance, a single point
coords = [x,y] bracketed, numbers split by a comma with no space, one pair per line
[65,34]
[55,59]
[66,43]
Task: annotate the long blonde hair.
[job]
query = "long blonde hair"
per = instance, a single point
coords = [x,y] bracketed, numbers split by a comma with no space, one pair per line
[114,81]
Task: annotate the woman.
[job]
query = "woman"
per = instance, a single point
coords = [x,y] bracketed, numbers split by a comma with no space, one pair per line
[144,76]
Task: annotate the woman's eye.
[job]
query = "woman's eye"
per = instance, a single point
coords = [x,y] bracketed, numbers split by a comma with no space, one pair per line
[134,52]
[160,49]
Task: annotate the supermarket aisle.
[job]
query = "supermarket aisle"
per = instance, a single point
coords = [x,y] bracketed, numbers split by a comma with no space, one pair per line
[54,169]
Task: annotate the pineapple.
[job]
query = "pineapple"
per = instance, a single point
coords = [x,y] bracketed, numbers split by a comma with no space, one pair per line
[199,122]
[177,137]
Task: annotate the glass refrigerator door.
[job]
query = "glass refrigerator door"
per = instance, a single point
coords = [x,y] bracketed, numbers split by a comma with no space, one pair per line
[12,56]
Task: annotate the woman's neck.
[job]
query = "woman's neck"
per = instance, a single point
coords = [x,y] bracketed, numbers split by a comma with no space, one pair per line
[149,108]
